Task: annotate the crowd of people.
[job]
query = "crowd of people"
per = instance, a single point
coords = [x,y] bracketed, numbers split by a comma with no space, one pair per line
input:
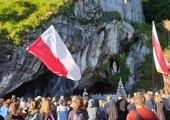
[141,106]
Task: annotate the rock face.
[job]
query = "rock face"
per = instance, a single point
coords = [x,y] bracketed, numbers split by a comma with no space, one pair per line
[91,43]
[130,10]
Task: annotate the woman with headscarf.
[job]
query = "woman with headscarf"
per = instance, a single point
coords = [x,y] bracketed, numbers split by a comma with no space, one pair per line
[112,111]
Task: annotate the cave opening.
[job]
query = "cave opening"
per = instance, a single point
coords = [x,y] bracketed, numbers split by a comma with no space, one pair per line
[98,88]
[38,83]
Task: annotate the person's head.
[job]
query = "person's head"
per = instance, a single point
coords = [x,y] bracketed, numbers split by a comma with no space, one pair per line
[147,96]
[61,102]
[73,100]
[132,100]
[14,108]
[13,97]
[108,98]
[79,105]
[34,104]
[96,102]
[158,99]
[85,101]
[39,98]
[46,106]
[139,100]
[101,103]
[91,103]
[162,91]
[112,103]
[7,102]
[54,99]
[62,97]
[120,96]
[68,103]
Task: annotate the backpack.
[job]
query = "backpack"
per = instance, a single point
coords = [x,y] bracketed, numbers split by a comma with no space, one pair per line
[33,116]
[50,117]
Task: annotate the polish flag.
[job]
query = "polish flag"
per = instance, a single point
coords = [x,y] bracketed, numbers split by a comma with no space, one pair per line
[160,61]
[51,50]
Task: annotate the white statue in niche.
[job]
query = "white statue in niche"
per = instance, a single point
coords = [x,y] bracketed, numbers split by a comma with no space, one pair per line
[114,66]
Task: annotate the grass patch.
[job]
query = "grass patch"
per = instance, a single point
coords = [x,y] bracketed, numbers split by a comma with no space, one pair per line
[110,16]
[19,16]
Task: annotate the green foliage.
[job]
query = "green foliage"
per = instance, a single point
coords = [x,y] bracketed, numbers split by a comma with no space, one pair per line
[142,28]
[148,69]
[144,31]
[19,16]
[67,8]
[156,10]
[109,16]
[103,67]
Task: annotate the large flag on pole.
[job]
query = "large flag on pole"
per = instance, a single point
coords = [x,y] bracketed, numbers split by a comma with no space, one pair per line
[51,50]
[160,61]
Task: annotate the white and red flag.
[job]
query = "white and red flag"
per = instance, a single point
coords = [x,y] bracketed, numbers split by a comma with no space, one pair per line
[160,61]
[51,50]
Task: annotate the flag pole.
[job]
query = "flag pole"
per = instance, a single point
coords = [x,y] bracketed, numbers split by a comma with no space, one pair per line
[153,66]
[153,81]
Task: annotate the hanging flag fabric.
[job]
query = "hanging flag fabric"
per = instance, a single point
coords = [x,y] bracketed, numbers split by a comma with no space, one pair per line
[160,61]
[51,50]
[166,81]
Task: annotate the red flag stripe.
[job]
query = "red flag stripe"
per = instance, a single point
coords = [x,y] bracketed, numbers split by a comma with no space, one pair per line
[50,58]
[159,55]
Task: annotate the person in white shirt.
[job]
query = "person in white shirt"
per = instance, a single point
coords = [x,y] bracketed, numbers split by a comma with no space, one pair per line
[62,110]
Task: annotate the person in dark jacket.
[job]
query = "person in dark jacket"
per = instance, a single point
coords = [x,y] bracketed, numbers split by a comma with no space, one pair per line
[121,105]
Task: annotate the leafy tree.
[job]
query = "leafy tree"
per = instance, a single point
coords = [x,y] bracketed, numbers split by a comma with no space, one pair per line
[156,10]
